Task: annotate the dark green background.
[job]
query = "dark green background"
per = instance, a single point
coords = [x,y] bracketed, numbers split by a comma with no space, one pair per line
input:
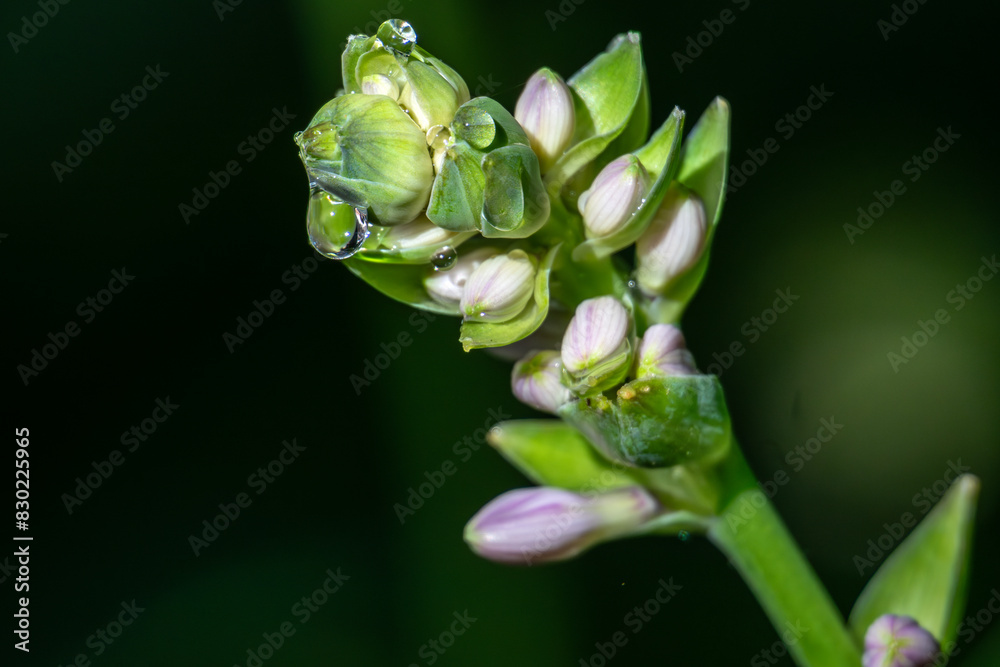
[334,506]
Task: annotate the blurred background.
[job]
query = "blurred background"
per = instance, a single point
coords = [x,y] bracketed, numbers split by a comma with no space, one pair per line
[230,81]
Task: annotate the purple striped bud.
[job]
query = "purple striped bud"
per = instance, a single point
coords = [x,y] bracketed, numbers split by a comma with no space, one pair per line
[662,351]
[544,524]
[446,287]
[614,196]
[596,348]
[499,288]
[537,381]
[899,641]
[545,111]
[672,243]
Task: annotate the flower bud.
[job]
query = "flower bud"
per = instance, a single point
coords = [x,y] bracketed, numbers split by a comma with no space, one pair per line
[446,287]
[545,111]
[662,352]
[365,151]
[672,243]
[899,641]
[499,288]
[545,524]
[537,381]
[595,349]
[614,197]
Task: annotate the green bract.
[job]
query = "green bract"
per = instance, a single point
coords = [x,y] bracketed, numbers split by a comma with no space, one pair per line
[657,422]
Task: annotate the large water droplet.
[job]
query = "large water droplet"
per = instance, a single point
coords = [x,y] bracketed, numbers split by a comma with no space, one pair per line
[336,230]
[475,126]
[397,35]
[444,259]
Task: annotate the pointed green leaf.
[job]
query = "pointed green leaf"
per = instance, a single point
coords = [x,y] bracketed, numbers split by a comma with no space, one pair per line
[402,282]
[550,452]
[925,578]
[476,334]
[660,158]
[703,169]
[605,94]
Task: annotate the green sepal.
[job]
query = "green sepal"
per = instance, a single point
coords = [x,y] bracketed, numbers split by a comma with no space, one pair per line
[926,577]
[357,46]
[605,94]
[402,282]
[456,202]
[476,334]
[660,158]
[636,130]
[657,422]
[515,204]
[552,453]
[703,169]
[378,248]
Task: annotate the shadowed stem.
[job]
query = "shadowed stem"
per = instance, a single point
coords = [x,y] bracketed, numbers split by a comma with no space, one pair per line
[755,540]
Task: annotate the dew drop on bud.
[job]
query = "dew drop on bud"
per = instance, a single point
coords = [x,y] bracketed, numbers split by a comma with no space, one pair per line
[444,259]
[631,284]
[336,230]
[397,35]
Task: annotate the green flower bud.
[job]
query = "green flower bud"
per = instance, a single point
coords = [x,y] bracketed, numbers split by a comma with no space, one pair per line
[365,151]
[499,288]
[391,64]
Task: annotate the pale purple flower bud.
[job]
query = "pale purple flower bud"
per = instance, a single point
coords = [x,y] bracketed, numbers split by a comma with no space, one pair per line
[672,243]
[544,524]
[899,641]
[596,348]
[545,111]
[446,287]
[537,381]
[499,288]
[662,351]
[614,196]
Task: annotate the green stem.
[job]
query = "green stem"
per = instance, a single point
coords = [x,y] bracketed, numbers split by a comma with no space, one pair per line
[751,534]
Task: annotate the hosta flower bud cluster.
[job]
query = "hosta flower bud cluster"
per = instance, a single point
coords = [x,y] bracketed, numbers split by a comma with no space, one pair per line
[562,232]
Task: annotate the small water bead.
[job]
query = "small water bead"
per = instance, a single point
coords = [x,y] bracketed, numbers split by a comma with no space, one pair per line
[397,35]
[683,535]
[336,230]
[444,259]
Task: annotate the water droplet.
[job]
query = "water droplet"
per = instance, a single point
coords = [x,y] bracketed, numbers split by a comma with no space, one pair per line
[397,35]
[475,126]
[444,258]
[683,535]
[336,230]
[631,284]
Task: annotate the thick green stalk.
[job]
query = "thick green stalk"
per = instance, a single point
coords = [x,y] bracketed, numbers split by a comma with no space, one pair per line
[755,540]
